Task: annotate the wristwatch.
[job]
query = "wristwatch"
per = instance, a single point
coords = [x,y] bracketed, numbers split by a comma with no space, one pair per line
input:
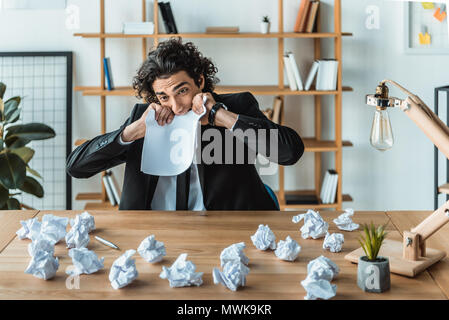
[213,112]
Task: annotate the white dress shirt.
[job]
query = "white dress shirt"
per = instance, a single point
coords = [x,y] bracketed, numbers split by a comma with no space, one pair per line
[164,197]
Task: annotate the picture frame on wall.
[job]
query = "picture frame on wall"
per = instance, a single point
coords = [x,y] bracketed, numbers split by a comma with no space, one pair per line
[424,32]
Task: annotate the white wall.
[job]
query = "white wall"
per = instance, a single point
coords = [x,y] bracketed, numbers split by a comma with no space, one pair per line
[401,178]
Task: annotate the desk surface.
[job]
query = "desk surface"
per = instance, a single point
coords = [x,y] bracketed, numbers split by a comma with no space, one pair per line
[203,235]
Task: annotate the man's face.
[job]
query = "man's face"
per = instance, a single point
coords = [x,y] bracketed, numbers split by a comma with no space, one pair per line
[177,91]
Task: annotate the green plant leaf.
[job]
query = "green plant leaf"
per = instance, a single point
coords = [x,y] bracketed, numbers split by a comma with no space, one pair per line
[2,89]
[30,185]
[1,144]
[30,131]
[11,104]
[12,170]
[13,204]
[15,142]
[25,153]
[12,116]
[4,195]
[34,172]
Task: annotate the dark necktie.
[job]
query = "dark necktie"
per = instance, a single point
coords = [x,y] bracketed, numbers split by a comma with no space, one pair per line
[182,190]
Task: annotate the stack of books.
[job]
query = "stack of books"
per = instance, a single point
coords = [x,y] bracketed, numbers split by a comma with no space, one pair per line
[138,28]
[167,17]
[329,187]
[112,188]
[325,70]
[307,14]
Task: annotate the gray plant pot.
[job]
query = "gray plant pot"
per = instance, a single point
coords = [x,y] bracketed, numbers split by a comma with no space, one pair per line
[373,276]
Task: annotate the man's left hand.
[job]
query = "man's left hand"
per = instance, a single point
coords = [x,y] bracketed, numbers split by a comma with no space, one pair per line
[197,105]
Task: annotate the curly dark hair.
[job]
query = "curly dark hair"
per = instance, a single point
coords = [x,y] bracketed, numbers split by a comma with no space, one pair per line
[170,57]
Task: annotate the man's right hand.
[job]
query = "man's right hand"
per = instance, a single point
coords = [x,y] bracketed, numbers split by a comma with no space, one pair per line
[136,130]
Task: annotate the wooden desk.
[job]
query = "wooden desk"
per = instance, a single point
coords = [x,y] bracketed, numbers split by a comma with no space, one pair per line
[203,235]
[10,223]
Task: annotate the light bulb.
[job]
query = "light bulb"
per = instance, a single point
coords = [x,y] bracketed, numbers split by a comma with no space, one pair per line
[381,132]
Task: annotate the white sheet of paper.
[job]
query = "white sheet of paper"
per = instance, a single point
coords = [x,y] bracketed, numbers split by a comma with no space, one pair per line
[168,150]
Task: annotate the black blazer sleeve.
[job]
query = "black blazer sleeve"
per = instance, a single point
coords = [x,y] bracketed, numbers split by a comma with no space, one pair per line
[100,153]
[290,144]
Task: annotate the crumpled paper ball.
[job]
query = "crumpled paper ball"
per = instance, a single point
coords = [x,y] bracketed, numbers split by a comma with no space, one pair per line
[320,272]
[85,219]
[318,288]
[53,228]
[43,265]
[324,267]
[182,273]
[287,250]
[234,253]
[264,238]
[30,229]
[334,242]
[123,270]
[314,225]
[85,261]
[77,237]
[233,275]
[151,250]
[41,244]
[344,221]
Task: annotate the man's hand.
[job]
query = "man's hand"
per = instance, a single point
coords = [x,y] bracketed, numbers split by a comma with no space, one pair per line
[136,130]
[197,105]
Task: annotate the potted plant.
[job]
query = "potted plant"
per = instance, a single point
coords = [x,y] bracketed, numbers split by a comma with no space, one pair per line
[265,25]
[15,156]
[373,273]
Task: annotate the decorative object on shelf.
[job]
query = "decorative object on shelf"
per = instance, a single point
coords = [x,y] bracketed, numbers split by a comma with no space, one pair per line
[301,18]
[14,155]
[416,257]
[265,25]
[373,272]
[138,28]
[434,40]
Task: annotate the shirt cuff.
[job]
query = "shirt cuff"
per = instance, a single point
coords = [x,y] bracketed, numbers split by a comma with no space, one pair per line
[121,141]
[232,128]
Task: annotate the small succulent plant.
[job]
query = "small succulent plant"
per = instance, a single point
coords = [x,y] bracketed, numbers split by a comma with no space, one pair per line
[371,240]
[266,19]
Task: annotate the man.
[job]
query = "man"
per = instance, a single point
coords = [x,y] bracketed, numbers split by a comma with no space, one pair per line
[173,80]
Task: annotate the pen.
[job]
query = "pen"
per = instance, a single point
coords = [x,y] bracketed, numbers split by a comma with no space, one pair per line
[107,243]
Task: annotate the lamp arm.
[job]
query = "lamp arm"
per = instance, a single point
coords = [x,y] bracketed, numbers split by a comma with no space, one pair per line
[438,133]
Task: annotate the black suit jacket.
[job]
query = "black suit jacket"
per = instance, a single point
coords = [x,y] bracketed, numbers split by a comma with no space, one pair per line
[224,186]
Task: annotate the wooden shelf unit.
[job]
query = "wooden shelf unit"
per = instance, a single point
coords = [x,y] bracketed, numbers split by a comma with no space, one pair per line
[314,144]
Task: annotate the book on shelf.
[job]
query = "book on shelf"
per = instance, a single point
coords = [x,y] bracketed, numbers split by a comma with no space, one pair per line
[268,113]
[277,110]
[327,75]
[138,28]
[222,29]
[114,187]
[108,73]
[311,75]
[324,186]
[329,187]
[295,69]
[333,190]
[302,15]
[289,71]
[167,17]
[311,19]
[108,188]
[171,18]
[301,199]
